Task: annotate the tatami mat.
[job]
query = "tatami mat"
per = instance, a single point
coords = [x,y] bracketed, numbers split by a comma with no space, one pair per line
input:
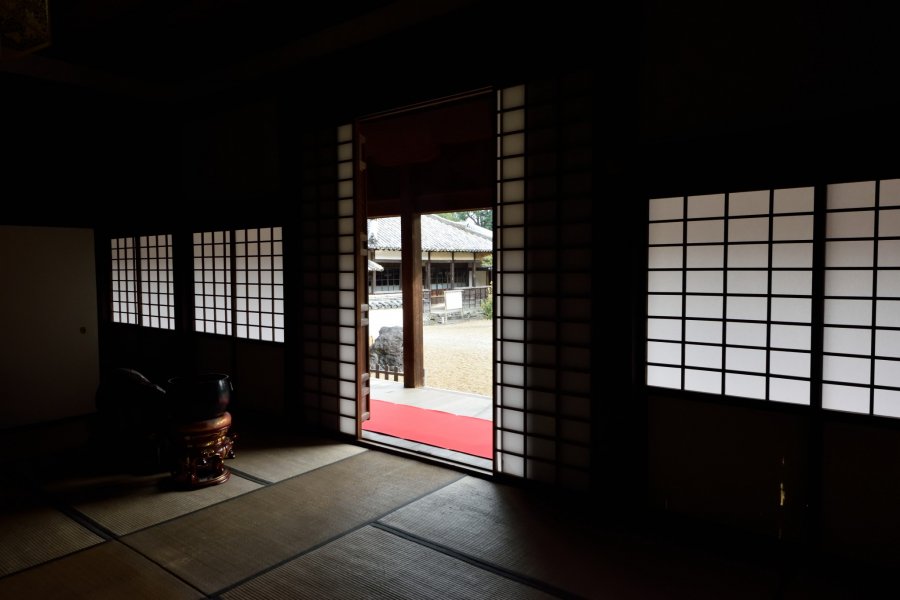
[371,563]
[536,538]
[109,570]
[228,542]
[32,533]
[276,458]
[125,503]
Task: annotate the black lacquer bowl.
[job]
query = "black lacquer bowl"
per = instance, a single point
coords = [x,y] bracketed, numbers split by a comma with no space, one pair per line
[199,397]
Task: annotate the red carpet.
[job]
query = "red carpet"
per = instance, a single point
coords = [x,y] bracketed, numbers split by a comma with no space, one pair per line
[433,427]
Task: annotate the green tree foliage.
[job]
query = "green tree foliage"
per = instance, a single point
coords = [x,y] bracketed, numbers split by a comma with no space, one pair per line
[487,305]
[482,218]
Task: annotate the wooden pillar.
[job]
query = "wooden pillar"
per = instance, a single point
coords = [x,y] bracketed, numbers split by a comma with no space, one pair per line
[411,284]
[452,275]
[428,272]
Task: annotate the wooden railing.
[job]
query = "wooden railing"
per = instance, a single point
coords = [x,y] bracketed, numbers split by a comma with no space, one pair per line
[472,297]
[386,373]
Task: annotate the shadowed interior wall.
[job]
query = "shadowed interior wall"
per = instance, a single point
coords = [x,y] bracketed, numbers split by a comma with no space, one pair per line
[728,465]
[232,151]
[861,489]
[48,315]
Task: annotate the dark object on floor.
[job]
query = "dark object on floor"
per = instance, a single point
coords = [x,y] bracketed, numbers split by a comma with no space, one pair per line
[132,415]
[199,429]
[199,450]
[199,397]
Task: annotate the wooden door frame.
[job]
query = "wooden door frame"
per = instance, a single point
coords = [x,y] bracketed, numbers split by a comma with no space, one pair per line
[410,213]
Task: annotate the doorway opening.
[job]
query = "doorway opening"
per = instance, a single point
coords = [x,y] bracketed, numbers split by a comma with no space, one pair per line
[427,180]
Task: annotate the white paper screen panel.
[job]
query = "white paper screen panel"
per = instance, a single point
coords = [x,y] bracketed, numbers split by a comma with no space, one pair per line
[509,283]
[142,282]
[347,313]
[730,293]
[861,342]
[259,284]
[212,282]
[123,281]
[157,282]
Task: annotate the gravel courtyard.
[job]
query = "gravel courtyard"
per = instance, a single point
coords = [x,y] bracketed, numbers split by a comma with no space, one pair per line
[458,356]
[457,353]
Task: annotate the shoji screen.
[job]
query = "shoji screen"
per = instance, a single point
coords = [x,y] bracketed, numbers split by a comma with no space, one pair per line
[543,282]
[861,365]
[124,282]
[259,284]
[212,282]
[729,300]
[327,379]
[346,282]
[143,290]
[509,283]
[157,283]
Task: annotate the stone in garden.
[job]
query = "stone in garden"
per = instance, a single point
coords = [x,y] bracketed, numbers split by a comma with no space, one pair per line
[387,350]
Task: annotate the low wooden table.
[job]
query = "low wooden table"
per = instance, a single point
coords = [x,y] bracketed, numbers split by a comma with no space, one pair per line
[199,450]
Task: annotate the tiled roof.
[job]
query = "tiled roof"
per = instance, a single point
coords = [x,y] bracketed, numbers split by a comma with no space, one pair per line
[438,235]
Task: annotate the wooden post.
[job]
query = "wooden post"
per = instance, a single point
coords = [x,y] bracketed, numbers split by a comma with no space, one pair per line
[452,275]
[411,284]
[428,272]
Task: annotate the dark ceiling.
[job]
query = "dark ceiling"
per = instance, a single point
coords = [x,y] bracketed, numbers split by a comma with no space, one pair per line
[175,51]
[171,41]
